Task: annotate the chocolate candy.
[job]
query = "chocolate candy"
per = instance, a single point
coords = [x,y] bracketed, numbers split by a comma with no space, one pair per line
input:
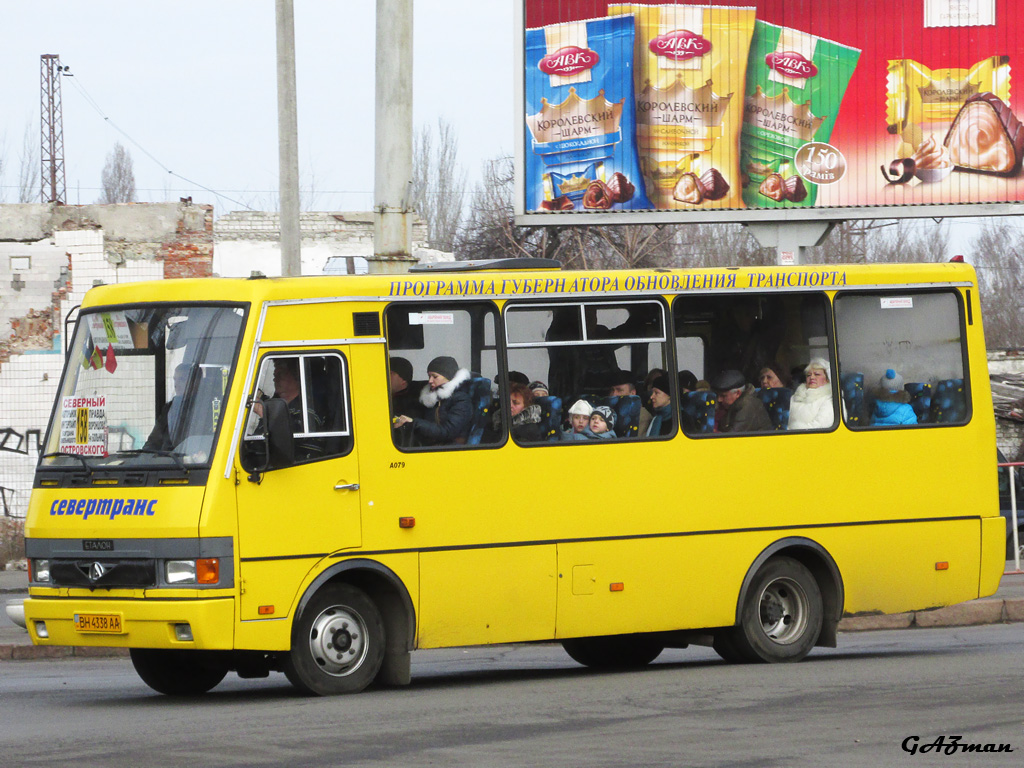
[773,188]
[562,203]
[794,189]
[986,137]
[693,189]
[689,189]
[714,185]
[597,196]
[900,171]
[620,189]
[778,189]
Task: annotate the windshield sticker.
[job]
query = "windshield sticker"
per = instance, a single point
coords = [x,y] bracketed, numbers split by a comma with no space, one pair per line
[431,318]
[83,426]
[110,329]
[110,508]
[897,302]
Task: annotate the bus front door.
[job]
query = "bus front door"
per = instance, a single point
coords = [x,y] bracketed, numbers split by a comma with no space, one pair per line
[295,516]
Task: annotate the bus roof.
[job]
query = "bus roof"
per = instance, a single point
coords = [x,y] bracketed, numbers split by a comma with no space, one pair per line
[547,283]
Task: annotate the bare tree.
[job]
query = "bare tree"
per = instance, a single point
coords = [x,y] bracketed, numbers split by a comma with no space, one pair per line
[489,232]
[28,171]
[118,181]
[998,253]
[438,184]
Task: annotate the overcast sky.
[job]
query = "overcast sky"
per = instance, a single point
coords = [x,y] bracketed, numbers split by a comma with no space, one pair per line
[194,84]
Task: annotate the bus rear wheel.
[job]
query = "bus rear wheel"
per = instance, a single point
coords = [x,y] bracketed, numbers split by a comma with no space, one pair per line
[782,615]
[614,652]
[177,673]
[337,643]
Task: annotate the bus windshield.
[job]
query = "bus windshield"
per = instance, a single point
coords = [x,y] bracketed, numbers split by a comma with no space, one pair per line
[144,387]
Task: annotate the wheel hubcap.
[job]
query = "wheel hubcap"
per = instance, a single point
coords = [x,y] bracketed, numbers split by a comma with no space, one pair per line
[783,610]
[337,640]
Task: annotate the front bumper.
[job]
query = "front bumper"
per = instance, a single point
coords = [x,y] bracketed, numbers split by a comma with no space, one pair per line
[144,623]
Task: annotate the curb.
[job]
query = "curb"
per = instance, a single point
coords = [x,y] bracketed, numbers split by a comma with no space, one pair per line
[974,613]
[51,652]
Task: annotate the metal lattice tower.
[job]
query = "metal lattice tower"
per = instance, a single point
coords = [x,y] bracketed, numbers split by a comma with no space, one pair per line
[51,125]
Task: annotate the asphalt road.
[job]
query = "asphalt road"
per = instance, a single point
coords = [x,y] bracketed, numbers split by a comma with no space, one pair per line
[532,706]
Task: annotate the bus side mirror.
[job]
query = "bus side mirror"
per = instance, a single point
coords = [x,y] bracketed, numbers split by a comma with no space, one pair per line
[279,443]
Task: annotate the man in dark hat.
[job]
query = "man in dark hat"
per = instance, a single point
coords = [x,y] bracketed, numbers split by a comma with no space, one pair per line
[405,393]
[741,409]
[448,408]
[621,383]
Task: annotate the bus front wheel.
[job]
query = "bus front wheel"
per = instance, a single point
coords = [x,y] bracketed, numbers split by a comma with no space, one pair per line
[615,652]
[337,643]
[177,673]
[782,615]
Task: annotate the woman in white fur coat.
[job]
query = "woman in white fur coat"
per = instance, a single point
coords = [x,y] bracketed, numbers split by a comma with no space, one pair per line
[447,400]
[811,406]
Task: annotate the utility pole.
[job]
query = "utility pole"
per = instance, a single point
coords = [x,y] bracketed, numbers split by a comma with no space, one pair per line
[392,231]
[288,141]
[51,130]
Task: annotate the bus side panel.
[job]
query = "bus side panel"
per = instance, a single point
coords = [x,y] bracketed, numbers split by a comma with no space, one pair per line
[993,554]
[278,581]
[649,585]
[481,596]
[898,567]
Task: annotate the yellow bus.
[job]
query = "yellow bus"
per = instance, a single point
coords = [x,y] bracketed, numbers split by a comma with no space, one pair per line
[319,475]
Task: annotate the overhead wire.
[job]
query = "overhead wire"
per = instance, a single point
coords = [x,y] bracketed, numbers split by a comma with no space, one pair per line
[76,81]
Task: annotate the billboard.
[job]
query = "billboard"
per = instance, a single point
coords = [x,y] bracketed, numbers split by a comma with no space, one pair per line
[769,110]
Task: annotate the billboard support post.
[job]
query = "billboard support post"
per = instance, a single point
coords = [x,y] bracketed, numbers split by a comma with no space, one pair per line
[790,239]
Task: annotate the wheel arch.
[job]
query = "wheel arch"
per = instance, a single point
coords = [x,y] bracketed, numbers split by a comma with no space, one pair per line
[386,590]
[825,571]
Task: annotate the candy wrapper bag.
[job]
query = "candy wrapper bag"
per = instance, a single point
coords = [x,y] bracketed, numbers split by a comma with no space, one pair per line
[690,69]
[580,117]
[795,86]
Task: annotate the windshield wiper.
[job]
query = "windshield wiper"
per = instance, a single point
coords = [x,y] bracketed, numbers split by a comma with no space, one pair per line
[85,464]
[154,452]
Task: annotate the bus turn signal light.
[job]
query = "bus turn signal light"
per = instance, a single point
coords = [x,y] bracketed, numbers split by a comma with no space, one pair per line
[943,566]
[265,610]
[208,570]
[616,586]
[407,522]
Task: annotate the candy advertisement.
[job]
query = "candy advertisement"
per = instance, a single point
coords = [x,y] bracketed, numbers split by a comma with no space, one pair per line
[686,107]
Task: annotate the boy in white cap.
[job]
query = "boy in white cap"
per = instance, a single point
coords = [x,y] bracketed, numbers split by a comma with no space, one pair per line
[579,421]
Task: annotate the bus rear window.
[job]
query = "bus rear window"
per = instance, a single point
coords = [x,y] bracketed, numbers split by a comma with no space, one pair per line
[901,359]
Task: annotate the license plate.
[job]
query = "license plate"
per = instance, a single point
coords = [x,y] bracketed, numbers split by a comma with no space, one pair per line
[99,622]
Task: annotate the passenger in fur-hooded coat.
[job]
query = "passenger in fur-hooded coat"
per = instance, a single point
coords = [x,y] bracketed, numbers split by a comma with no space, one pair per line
[449,411]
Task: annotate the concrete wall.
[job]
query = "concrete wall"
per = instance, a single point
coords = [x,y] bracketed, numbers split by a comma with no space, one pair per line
[247,241]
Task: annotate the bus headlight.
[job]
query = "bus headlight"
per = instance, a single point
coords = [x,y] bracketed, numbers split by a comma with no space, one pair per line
[203,571]
[180,571]
[41,571]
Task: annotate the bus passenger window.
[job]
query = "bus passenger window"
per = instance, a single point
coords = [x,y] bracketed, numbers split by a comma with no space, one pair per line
[901,359]
[442,369]
[589,356]
[314,389]
[762,363]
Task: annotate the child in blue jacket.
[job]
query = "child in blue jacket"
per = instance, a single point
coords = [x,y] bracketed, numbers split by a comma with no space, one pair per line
[892,402]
